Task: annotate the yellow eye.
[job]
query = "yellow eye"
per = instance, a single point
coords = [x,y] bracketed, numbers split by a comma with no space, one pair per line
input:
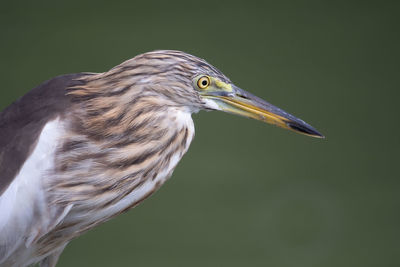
[203,82]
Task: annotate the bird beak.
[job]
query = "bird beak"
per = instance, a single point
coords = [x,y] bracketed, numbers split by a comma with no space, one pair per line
[243,103]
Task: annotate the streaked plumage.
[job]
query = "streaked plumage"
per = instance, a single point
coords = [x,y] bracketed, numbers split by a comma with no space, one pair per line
[83,148]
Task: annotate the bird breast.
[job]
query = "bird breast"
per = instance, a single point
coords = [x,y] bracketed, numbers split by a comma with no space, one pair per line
[101,180]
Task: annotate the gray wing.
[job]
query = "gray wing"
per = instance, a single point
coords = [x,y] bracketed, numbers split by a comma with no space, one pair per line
[22,122]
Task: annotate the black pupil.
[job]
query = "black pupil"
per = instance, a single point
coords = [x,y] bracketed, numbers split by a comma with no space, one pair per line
[204,82]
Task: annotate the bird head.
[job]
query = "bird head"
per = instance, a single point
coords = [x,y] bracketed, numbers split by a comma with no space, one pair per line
[208,88]
[178,79]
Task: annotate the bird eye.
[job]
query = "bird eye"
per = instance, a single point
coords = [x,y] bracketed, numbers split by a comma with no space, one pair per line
[203,82]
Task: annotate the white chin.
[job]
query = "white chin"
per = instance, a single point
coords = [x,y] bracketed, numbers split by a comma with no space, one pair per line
[211,104]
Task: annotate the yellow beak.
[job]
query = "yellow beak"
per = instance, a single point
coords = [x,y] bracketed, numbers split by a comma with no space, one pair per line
[248,105]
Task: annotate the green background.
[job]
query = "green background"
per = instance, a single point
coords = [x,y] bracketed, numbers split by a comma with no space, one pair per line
[246,193]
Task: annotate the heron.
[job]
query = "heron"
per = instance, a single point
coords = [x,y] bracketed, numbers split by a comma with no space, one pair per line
[82,148]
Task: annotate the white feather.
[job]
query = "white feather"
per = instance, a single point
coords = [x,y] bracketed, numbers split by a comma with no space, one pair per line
[23,207]
[211,104]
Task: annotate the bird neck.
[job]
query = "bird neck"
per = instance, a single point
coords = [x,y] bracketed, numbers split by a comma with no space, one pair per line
[109,166]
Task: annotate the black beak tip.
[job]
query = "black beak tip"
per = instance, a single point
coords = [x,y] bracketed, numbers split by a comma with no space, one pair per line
[304,128]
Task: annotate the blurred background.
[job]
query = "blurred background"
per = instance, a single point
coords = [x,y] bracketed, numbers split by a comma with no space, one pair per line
[246,193]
